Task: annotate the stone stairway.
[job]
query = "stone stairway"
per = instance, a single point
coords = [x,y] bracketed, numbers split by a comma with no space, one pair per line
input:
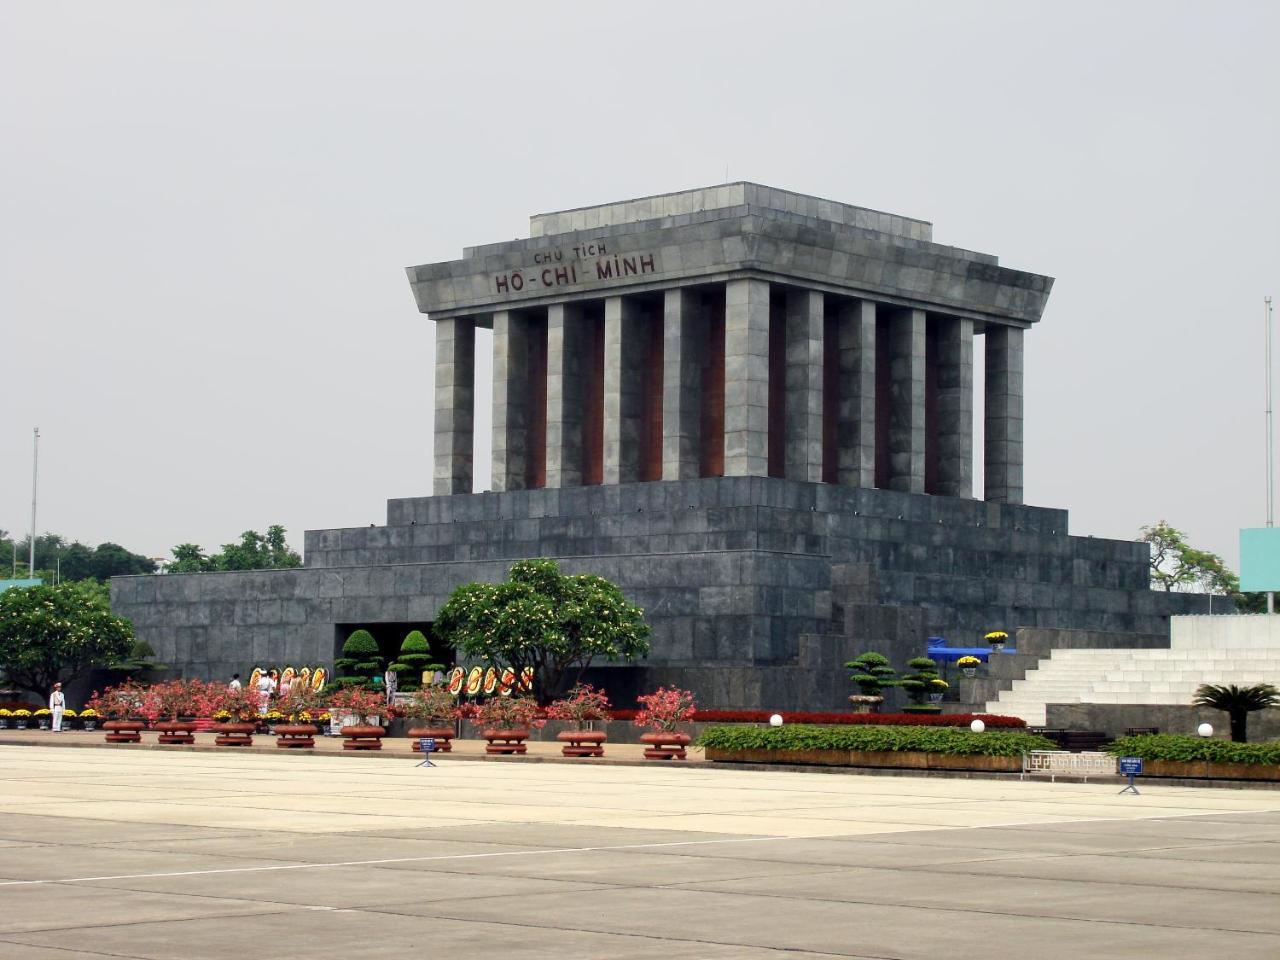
[1227,649]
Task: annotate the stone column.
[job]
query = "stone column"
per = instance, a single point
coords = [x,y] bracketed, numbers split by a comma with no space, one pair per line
[955,406]
[856,434]
[623,391]
[906,400]
[681,386]
[455,404]
[803,431]
[746,378]
[1002,437]
[510,389]
[565,358]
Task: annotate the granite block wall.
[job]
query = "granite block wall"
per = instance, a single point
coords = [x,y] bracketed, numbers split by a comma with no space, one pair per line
[757,589]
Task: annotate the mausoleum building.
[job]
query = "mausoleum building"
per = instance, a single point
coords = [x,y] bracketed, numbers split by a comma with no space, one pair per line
[753,410]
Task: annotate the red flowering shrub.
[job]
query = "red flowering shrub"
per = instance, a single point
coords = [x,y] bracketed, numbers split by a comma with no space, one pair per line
[583,703]
[664,709]
[357,702]
[507,713]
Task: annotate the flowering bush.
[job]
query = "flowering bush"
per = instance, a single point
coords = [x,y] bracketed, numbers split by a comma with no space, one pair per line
[125,701]
[22,713]
[968,662]
[664,709]
[507,713]
[301,704]
[68,712]
[358,702]
[183,698]
[996,636]
[583,703]
[938,684]
[237,706]
[43,712]
[431,703]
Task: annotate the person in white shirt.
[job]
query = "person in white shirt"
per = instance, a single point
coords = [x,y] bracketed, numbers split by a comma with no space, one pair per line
[391,682]
[57,704]
[235,682]
[265,686]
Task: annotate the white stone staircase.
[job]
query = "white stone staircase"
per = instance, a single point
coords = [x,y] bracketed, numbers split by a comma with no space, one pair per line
[1224,649]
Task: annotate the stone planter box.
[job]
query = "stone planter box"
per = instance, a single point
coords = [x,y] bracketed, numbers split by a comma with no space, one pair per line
[362,736]
[506,742]
[893,759]
[123,731]
[665,746]
[234,734]
[295,736]
[1206,770]
[582,743]
[443,737]
[176,731]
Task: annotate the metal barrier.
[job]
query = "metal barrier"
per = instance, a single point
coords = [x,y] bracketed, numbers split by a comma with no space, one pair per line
[1054,762]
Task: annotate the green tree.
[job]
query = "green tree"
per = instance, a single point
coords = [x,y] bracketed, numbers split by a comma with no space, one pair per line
[360,661]
[918,682]
[872,673]
[255,551]
[541,618]
[413,660]
[1176,565]
[55,633]
[1237,703]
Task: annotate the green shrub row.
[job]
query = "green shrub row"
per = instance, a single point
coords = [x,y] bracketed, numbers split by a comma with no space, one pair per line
[945,740]
[1175,746]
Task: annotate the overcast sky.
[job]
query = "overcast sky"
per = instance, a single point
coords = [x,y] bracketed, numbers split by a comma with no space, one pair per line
[206,211]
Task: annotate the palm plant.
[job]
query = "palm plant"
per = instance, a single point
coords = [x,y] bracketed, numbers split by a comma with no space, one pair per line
[1237,703]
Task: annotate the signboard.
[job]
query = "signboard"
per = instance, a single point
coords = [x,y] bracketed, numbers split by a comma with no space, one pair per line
[1130,766]
[428,746]
[586,264]
[1260,560]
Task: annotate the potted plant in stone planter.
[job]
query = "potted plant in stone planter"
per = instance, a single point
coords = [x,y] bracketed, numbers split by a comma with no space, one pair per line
[582,705]
[298,710]
[43,718]
[88,719]
[180,702]
[21,718]
[435,711]
[664,710]
[6,718]
[362,712]
[505,723]
[997,639]
[872,673]
[937,689]
[238,711]
[919,684]
[122,705]
[968,665]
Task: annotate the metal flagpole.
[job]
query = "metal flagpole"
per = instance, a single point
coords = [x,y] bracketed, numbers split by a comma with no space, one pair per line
[35,473]
[1271,479]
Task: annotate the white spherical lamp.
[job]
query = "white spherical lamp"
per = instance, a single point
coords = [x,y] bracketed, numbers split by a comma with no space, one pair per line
[1205,729]
[775,720]
[977,726]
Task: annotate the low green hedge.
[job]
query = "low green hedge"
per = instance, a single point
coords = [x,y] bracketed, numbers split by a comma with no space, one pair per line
[944,740]
[1176,746]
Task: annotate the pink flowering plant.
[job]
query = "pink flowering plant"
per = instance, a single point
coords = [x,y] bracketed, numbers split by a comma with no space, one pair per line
[432,704]
[507,713]
[184,698]
[236,706]
[357,701]
[582,704]
[664,709]
[126,701]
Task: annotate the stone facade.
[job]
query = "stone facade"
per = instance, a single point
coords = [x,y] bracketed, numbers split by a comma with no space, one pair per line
[751,409]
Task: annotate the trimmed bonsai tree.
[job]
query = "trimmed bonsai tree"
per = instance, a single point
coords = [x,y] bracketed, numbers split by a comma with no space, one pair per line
[872,673]
[413,661]
[360,661]
[581,705]
[919,683]
[1237,703]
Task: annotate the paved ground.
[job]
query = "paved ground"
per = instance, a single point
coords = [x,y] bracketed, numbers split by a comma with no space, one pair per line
[114,853]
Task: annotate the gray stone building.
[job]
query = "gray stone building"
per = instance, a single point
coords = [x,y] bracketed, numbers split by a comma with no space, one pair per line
[753,409]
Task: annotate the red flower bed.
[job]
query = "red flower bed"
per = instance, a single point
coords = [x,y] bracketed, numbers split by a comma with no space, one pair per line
[865,719]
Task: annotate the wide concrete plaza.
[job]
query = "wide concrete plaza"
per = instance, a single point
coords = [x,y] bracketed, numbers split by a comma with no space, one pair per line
[191,855]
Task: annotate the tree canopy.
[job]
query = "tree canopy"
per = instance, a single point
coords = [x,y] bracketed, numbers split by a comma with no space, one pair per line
[541,618]
[56,558]
[255,551]
[1176,565]
[54,633]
